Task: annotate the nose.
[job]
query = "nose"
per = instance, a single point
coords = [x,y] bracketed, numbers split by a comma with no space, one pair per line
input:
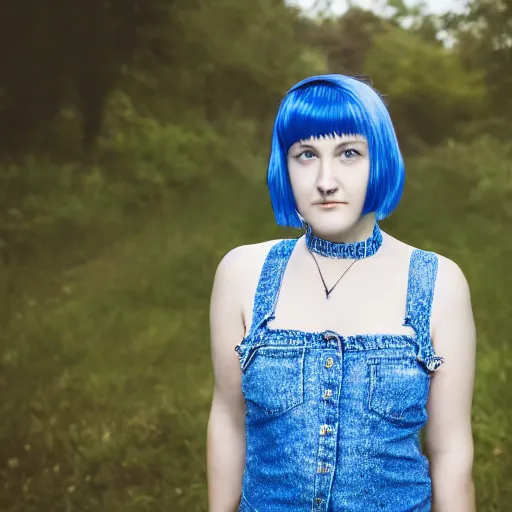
[326,185]
[326,192]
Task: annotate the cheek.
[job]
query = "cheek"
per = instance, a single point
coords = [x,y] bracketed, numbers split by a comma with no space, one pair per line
[300,180]
[359,181]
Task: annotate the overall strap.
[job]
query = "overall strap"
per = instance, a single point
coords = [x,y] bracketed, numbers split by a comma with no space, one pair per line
[420,293]
[269,283]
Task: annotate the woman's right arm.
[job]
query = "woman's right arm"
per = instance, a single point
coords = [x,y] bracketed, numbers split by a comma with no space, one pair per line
[226,425]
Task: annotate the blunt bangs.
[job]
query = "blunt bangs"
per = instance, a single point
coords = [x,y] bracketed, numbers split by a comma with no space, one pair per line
[329,105]
[317,112]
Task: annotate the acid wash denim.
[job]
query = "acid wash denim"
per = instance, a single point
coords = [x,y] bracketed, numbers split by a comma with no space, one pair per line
[333,422]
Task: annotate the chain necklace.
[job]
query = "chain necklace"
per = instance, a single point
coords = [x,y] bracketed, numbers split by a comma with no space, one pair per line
[327,291]
[355,250]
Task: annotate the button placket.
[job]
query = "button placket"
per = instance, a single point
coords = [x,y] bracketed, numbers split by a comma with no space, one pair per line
[327,438]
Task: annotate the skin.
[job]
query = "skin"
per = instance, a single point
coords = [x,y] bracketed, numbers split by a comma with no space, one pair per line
[369,299]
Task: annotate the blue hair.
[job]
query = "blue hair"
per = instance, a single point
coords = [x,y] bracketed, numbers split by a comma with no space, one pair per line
[335,105]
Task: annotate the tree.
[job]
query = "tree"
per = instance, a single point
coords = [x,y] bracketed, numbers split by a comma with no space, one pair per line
[212,57]
[430,91]
[54,53]
[484,40]
[344,40]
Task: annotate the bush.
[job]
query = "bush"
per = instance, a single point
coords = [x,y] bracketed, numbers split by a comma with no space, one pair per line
[140,162]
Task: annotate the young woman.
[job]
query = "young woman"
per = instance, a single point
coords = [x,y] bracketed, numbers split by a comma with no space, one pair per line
[332,351]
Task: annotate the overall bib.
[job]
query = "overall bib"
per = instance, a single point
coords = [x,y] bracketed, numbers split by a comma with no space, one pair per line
[332,421]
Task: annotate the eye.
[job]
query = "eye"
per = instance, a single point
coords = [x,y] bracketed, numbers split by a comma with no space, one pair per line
[351,153]
[306,155]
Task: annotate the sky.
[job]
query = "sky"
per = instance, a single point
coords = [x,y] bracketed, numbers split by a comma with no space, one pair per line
[433,6]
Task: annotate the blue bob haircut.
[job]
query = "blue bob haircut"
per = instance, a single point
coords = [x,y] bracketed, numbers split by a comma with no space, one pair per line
[328,105]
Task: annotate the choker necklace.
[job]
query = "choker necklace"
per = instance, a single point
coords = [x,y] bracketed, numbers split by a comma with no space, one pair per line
[354,250]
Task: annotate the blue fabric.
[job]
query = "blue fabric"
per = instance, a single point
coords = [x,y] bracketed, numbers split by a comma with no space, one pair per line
[333,422]
[353,250]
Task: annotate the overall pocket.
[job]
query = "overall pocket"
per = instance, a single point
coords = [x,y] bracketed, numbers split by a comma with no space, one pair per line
[398,390]
[273,379]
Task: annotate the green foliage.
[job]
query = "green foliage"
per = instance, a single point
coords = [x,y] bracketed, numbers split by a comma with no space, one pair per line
[141,164]
[222,58]
[108,257]
[108,371]
[416,19]
[241,57]
[345,41]
[153,155]
[483,38]
[74,52]
[497,128]
[112,421]
[482,168]
[430,92]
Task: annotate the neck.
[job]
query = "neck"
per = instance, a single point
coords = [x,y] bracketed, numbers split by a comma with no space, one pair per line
[357,249]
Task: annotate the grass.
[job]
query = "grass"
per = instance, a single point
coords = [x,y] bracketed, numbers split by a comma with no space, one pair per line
[105,372]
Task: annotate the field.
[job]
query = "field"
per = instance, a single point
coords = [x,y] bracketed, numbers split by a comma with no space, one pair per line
[105,372]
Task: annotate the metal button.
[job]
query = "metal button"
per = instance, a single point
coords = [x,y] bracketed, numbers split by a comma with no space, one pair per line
[329,335]
[325,429]
[318,500]
[329,362]
[323,468]
[327,394]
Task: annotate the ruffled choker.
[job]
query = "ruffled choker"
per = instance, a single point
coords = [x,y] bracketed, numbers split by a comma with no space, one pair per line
[352,250]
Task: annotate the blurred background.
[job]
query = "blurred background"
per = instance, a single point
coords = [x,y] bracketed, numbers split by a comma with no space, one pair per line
[134,137]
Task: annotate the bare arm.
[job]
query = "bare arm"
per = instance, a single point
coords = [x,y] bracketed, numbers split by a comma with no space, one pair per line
[448,440]
[226,427]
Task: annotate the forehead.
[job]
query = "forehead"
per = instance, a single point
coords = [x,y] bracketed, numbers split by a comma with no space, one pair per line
[331,140]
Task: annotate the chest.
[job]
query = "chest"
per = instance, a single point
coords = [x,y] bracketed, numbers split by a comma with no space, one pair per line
[359,382]
[369,298]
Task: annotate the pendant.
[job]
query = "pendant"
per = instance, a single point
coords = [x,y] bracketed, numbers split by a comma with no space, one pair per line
[327,293]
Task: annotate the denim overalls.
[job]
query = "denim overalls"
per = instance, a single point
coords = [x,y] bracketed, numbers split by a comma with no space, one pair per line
[333,422]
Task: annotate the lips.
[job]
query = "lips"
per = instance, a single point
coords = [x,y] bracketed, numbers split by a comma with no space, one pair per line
[329,206]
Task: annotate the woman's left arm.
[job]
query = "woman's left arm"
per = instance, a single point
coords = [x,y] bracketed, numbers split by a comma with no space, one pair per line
[448,435]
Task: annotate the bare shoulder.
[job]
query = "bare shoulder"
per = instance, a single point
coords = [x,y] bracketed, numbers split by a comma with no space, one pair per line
[234,276]
[239,270]
[244,258]
[452,321]
[451,285]
[450,278]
